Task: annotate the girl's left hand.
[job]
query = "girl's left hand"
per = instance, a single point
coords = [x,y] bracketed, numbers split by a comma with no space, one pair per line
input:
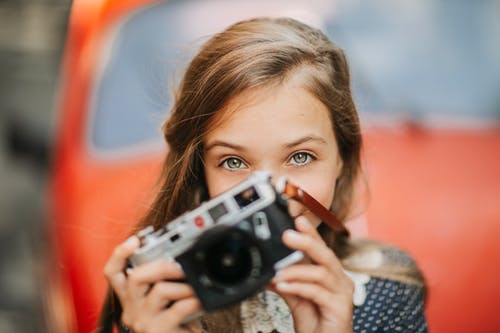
[318,292]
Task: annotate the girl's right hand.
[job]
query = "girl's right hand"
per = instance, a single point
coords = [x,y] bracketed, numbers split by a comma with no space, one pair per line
[150,300]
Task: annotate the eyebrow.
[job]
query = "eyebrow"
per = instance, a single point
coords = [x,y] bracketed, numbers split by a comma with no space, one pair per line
[304,139]
[308,138]
[219,143]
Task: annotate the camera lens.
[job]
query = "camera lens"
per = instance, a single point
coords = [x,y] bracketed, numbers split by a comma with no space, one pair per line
[229,261]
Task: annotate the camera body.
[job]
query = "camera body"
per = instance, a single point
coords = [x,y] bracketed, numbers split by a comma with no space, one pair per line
[230,246]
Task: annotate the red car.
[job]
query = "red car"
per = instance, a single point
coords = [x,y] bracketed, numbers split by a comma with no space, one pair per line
[434,180]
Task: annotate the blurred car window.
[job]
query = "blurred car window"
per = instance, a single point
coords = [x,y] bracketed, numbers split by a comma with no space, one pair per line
[422,58]
[414,59]
[131,96]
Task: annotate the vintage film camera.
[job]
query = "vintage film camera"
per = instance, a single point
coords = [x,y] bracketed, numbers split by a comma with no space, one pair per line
[230,246]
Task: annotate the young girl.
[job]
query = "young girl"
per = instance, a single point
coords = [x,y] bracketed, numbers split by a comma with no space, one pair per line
[269,94]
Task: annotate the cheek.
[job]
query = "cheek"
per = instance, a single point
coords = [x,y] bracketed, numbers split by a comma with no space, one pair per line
[321,189]
[219,181]
[215,184]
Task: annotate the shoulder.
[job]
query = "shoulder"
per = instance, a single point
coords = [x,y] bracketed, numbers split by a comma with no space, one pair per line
[391,286]
[383,261]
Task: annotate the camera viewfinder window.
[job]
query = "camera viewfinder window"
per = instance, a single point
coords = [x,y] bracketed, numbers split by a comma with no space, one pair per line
[246,197]
[217,212]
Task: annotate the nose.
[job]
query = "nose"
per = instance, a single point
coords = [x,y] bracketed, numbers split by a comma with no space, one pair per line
[276,174]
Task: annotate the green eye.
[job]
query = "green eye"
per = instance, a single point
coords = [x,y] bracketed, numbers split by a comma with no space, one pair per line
[301,158]
[233,163]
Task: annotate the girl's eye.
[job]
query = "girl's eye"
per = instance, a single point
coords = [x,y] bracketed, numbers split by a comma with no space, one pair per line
[233,163]
[301,158]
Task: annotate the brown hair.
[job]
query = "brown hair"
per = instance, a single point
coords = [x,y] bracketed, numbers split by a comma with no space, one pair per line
[251,54]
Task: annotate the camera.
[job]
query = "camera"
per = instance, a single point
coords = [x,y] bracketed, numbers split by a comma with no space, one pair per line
[230,246]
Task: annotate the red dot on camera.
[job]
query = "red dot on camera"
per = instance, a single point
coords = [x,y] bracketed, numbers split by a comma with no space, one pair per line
[199,222]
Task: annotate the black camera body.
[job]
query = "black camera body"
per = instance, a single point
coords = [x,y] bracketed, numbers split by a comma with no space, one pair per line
[230,246]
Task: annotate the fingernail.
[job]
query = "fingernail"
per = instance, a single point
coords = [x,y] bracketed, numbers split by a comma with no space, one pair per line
[129,270]
[292,235]
[303,223]
[276,277]
[131,241]
[282,285]
[179,266]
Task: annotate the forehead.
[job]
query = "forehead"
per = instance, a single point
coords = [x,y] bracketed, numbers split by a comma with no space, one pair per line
[264,111]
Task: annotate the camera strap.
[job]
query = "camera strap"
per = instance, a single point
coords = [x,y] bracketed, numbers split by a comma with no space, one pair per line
[294,192]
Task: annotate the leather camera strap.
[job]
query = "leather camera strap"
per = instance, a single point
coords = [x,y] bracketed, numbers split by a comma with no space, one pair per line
[294,192]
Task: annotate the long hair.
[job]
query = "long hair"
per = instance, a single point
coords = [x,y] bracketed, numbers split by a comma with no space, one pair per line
[250,54]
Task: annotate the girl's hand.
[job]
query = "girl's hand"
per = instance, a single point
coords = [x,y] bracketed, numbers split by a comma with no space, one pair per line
[318,292]
[151,301]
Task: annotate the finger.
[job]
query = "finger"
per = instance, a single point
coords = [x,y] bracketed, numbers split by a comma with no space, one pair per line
[303,225]
[155,271]
[333,308]
[180,311]
[292,301]
[163,293]
[316,250]
[312,292]
[114,268]
[308,273]
[142,277]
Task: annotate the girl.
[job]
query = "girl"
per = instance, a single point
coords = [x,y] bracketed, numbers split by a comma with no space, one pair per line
[269,94]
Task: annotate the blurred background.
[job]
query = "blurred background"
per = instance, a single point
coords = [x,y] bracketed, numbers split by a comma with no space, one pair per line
[80,141]
[32,34]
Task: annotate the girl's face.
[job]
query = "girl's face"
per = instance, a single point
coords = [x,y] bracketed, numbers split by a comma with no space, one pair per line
[284,130]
